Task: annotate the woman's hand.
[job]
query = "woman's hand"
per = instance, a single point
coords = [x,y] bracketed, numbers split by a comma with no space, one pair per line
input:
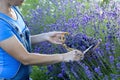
[56,37]
[74,55]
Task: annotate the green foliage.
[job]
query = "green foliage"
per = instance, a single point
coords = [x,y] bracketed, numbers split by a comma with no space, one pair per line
[39,74]
[32,4]
[27,6]
[106,1]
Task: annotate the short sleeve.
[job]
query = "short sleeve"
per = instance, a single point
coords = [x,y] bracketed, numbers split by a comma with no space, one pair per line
[5,31]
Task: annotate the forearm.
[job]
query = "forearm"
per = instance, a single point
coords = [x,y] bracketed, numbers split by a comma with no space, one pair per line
[38,38]
[43,59]
[21,54]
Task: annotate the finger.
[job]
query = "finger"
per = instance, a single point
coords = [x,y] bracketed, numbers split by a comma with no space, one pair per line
[61,39]
[58,39]
[81,58]
[56,42]
[78,53]
[63,33]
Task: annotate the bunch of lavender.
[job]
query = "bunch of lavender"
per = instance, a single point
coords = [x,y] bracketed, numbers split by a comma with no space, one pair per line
[81,41]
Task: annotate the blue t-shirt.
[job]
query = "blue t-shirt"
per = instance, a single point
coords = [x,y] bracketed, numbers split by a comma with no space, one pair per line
[9,65]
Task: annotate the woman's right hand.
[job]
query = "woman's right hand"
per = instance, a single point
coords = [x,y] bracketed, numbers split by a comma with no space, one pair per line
[74,55]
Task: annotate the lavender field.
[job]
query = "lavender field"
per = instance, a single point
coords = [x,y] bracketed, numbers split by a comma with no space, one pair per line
[86,22]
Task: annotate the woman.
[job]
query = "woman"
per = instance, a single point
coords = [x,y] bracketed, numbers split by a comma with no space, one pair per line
[15,55]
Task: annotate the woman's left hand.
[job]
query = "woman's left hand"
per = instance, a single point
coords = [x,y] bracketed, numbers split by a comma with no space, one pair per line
[56,37]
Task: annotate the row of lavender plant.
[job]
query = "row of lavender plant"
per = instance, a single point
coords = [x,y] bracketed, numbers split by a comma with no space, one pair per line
[86,22]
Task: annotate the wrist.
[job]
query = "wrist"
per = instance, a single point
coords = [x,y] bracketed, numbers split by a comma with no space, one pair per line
[43,36]
[63,57]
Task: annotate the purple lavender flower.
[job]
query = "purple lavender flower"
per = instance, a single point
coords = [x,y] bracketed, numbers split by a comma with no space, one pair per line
[111,59]
[60,75]
[98,71]
[114,76]
[74,73]
[118,65]
[88,73]
[107,46]
[106,77]
[50,68]
[118,35]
